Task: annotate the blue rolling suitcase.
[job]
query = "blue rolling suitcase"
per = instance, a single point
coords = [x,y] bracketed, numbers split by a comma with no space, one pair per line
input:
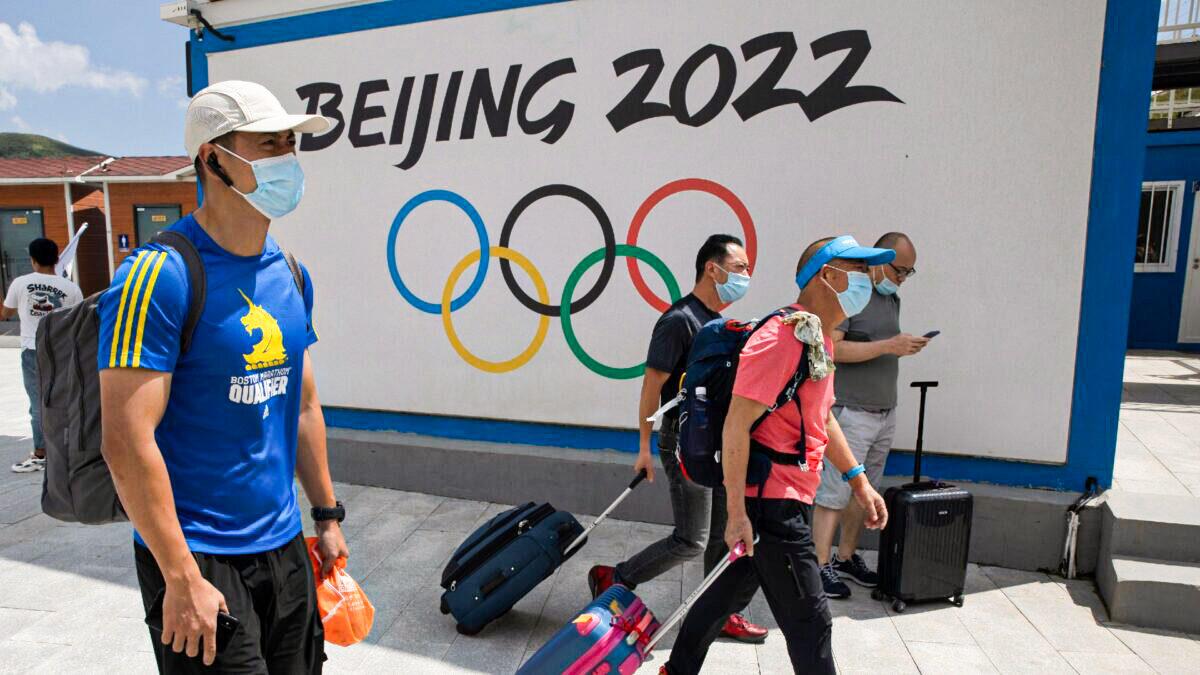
[508,556]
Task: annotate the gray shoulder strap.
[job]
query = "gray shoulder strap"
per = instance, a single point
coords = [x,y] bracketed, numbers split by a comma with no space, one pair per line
[197,281]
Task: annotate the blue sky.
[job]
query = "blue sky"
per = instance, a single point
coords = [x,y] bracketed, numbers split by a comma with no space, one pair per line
[104,75]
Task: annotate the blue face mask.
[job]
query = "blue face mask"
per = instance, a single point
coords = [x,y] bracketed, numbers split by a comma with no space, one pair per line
[857,294]
[734,288]
[886,286]
[280,184]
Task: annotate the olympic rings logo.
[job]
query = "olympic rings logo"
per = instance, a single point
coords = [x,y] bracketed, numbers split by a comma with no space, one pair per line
[567,305]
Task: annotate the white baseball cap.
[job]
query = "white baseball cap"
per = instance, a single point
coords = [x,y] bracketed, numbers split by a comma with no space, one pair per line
[235,105]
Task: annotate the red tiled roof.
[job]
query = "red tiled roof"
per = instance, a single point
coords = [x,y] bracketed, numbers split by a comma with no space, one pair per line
[47,167]
[66,167]
[146,166]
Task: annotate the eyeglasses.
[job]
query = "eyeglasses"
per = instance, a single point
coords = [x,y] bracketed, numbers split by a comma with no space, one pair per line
[737,267]
[904,272]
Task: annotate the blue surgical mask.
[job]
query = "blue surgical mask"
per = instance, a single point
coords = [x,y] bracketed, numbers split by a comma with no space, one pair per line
[280,184]
[857,294]
[734,288]
[886,286]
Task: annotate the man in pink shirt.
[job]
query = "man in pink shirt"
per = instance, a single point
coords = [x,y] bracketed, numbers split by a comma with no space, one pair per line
[833,286]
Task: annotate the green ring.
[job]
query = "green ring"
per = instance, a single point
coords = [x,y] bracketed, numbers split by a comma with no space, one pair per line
[623,250]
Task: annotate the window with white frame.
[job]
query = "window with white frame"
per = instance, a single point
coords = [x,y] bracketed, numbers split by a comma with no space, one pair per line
[1158,226]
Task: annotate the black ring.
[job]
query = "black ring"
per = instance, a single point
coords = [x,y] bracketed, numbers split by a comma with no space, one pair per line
[610,247]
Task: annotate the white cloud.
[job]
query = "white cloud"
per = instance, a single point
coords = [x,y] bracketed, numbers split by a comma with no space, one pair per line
[170,85]
[28,63]
[62,137]
[20,124]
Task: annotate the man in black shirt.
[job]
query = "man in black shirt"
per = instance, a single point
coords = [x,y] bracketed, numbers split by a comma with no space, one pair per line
[722,277]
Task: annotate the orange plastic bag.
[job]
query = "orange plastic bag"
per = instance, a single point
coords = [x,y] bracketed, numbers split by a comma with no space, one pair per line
[344,607]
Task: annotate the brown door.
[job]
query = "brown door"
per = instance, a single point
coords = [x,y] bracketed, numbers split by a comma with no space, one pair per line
[91,258]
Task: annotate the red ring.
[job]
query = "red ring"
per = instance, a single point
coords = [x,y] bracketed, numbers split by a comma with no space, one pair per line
[687,185]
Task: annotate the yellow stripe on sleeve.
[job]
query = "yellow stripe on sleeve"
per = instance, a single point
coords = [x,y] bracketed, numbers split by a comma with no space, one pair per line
[133,303]
[112,359]
[141,323]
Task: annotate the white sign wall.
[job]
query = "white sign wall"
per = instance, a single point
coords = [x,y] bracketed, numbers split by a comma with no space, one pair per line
[969,126]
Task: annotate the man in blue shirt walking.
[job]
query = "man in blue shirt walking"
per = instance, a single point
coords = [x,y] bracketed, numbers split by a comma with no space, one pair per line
[203,443]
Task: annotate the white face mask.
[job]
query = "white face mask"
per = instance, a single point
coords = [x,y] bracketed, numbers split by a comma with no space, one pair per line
[280,184]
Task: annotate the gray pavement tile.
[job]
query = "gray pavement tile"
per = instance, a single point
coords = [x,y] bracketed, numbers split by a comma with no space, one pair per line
[30,586]
[952,659]
[386,535]
[15,620]
[20,503]
[350,659]
[392,661]
[1164,651]
[726,656]
[773,655]
[454,515]
[22,657]
[93,658]
[34,527]
[487,657]
[931,623]
[871,642]
[1086,663]
[1011,642]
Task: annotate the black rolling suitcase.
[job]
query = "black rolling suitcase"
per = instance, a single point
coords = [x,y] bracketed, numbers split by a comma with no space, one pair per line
[503,560]
[923,549]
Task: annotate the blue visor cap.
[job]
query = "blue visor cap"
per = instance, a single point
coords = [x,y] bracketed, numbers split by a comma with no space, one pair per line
[843,247]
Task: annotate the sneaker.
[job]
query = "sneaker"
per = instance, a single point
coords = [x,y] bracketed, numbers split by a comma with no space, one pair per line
[30,464]
[738,628]
[857,571]
[600,578]
[835,588]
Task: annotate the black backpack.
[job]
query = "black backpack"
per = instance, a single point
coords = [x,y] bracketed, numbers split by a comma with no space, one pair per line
[77,486]
[705,397]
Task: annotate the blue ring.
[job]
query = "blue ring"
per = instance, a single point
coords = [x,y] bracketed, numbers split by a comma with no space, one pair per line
[480,272]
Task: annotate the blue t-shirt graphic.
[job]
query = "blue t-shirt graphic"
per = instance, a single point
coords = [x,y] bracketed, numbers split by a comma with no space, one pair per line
[228,435]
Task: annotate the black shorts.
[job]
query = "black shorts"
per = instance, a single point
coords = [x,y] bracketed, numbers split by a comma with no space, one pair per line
[272,594]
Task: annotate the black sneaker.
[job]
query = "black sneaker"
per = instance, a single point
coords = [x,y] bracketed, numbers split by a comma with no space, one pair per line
[835,588]
[856,570]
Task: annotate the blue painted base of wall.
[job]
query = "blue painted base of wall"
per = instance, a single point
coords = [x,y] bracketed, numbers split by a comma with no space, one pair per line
[492,431]
[900,463]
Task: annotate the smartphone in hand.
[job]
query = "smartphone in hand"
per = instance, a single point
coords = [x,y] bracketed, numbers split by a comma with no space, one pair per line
[932,334]
[227,624]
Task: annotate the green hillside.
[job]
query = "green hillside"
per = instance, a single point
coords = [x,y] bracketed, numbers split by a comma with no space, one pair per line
[28,146]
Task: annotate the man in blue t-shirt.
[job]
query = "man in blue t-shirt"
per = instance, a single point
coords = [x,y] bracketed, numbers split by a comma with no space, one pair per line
[203,443]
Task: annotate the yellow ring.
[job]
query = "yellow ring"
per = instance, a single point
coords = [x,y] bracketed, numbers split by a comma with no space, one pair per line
[543,323]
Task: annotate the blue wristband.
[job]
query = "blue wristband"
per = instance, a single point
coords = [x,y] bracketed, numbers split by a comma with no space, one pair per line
[854,472]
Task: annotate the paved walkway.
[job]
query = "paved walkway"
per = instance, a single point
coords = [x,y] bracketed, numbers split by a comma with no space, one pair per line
[69,601]
[1158,446]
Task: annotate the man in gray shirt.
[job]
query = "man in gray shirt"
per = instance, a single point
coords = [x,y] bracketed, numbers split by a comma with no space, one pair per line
[867,348]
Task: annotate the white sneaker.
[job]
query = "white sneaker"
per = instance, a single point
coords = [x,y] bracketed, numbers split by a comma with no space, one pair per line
[30,464]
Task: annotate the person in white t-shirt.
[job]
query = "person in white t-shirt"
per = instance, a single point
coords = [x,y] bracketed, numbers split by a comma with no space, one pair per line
[33,296]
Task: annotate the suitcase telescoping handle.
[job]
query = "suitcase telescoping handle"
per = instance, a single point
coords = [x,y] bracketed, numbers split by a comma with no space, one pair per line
[737,552]
[924,387]
[600,518]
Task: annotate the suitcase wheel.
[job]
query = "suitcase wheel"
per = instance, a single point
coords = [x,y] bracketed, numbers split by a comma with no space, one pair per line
[463,630]
[878,595]
[958,601]
[899,605]
[444,607]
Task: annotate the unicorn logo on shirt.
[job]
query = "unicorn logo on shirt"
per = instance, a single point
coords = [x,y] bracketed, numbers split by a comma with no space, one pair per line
[269,350]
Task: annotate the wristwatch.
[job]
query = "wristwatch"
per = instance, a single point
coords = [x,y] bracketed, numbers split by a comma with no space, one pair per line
[337,513]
